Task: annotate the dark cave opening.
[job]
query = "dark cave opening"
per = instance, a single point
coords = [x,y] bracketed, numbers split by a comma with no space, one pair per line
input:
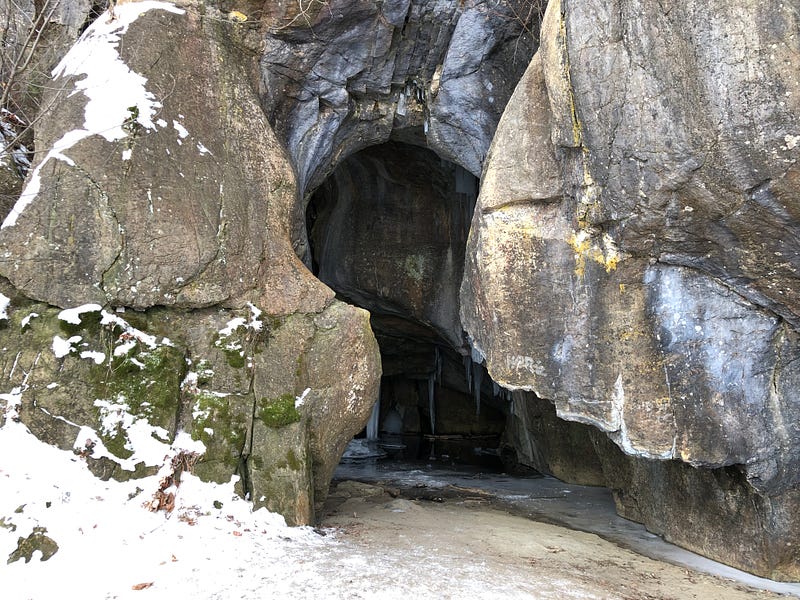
[387,231]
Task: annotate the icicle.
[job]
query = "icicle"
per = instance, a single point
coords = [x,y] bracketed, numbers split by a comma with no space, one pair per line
[477,375]
[432,401]
[468,370]
[496,390]
[438,364]
[374,420]
[465,182]
[516,398]
[477,357]
[401,103]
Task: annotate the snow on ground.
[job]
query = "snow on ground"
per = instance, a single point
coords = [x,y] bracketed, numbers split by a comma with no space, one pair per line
[214,546]
[109,543]
[211,546]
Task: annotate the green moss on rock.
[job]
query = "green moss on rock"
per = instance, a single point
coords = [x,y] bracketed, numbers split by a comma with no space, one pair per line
[147,381]
[205,372]
[35,541]
[278,412]
[234,358]
[89,321]
[116,442]
[294,461]
[214,413]
[233,347]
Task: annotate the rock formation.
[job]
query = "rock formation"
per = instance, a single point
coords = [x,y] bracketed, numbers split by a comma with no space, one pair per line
[638,266]
[630,276]
[161,208]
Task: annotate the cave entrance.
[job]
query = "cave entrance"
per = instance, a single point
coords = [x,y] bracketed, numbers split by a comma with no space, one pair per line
[387,231]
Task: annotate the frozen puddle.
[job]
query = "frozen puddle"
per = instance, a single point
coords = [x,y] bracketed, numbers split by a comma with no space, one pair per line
[546,499]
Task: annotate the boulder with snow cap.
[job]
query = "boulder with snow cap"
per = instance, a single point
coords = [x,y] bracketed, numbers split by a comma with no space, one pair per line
[149,270]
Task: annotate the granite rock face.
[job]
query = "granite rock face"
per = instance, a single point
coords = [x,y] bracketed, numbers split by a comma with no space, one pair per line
[634,251]
[630,277]
[711,511]
[179,204]
[344,75]
[352,71]
[173,197]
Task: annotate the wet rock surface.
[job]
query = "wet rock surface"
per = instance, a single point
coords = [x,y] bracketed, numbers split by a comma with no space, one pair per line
[388,232]
[346,74]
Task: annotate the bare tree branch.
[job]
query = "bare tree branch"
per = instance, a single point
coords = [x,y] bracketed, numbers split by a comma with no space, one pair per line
[21,60]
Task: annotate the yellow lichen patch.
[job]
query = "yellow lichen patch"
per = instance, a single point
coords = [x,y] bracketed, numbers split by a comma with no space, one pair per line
[621,288]
[586,246]
[631,334]
[662,402]
[581,242]
[610,256]
[237,16]
[589,196]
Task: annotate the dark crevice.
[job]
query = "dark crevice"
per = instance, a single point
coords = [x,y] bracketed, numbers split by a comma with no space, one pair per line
[387,231]
[98,8]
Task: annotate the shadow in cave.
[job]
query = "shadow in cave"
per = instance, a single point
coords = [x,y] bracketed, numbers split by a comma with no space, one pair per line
[387,231]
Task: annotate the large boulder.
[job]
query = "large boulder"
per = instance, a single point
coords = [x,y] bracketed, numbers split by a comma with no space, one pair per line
[181,189]
[159,216]
[634,252]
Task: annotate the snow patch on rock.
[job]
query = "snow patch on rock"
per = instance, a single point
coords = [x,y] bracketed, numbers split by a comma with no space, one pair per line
[116,96]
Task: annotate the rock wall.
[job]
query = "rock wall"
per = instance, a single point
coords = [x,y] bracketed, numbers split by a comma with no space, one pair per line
[343,75]
[713,512]
[632,260]
[633,256]
[160,210]
[352,71]
[172,197]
